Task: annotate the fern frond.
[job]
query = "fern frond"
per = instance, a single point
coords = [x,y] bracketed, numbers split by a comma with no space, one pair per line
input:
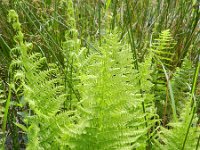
[162,49]
[173,137]
[111,115]
[182,83]
[41,88]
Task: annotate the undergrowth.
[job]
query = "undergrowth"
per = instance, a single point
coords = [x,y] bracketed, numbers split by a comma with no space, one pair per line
[101,91]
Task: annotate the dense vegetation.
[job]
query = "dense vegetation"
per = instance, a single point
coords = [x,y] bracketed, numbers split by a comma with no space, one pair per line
[99,74]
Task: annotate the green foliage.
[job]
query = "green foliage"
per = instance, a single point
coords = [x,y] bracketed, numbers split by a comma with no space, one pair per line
[70,81]
[162,48]
[173,138]
[182,83]
[110,111]
[2,102]
[42,89]
[70,48]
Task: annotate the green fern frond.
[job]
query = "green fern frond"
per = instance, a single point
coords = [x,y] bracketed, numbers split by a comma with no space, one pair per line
[173,138]
[163,48]
[111,115]
[33,143]
[41,88]
[182,83]
[163,52]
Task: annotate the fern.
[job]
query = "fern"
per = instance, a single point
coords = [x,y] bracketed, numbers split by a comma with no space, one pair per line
[162,49]
[110,111]
[117,107]
[182,83]
[70,48]
[182,133]
[41,89]
[44,94]
[173,138]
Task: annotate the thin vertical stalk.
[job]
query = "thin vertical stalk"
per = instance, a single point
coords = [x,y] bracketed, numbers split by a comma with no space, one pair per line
[99,20]
[198,141]
[131,37]
[194,25]
[6,112]
[171,94]
[49,41]
[114,15]
[192,100]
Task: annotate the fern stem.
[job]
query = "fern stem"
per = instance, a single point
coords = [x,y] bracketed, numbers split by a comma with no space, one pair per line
[146,124]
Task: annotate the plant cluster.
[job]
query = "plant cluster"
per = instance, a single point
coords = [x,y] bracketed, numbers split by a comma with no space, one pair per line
[99,75]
